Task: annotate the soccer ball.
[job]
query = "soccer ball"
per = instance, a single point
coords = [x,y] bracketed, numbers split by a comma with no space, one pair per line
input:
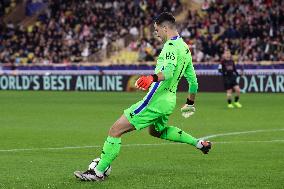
[94,164]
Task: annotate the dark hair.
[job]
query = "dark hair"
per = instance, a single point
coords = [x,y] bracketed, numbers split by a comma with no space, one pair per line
[165,17]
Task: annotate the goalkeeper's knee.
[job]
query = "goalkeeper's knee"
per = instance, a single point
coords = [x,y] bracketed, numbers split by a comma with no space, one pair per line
[153,132]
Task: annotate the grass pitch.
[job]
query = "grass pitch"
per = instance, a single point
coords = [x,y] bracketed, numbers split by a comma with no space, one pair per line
[45,136]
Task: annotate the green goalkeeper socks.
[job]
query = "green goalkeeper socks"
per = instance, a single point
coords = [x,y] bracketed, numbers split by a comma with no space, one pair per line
[110,152]
[177,135]
[112,145]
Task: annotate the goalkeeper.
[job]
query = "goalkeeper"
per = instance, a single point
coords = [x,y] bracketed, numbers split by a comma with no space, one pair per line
[153,111]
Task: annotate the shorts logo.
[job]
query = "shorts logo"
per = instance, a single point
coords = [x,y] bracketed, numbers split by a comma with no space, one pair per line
[131,115]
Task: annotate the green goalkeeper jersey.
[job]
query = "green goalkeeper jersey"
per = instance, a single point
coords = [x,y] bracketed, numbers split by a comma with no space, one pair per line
[174,62]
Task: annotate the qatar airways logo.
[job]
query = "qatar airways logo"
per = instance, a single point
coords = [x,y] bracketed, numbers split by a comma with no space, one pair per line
[261,83]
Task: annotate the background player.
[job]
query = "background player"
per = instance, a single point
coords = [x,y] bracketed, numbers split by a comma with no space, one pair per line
[229,72]
[153,111]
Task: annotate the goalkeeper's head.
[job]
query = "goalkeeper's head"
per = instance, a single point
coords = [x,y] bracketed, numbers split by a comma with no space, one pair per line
[165,26]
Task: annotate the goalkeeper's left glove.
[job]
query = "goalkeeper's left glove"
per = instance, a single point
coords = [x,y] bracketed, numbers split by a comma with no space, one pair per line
[188,109]
[144,82]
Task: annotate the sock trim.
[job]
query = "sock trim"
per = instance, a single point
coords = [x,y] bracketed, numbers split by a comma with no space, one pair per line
[199,144]
[113,140]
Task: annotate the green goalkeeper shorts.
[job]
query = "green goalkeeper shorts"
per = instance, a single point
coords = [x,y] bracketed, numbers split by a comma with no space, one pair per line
[154,110]
[146,118]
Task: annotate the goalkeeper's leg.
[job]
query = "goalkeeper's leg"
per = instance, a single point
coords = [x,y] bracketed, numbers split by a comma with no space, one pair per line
[173,134]
[113,142]
[110,150]
[177,135]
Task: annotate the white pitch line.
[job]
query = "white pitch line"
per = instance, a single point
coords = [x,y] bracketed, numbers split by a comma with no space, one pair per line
[54,148]
[160,144]
[240,133]
[248,141]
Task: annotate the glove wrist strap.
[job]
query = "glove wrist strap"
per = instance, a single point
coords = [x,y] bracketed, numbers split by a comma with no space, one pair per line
[155,77]
[189,102]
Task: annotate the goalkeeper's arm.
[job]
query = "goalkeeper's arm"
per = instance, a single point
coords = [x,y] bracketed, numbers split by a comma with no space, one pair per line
[191,78]
[170,63]
[144,82]
[188,109]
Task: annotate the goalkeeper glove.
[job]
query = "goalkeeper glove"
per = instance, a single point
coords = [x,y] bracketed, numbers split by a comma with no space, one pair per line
[188,109]
[144,82]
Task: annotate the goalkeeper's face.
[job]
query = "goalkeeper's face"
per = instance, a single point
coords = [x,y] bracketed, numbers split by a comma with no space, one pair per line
[160,32]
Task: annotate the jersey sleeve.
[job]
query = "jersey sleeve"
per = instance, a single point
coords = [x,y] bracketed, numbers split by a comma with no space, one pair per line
[191,78]
[170,60]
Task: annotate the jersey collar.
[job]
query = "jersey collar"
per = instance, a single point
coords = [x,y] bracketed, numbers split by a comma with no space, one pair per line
[175,37]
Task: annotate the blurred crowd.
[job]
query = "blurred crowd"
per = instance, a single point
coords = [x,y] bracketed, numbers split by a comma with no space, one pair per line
[5,6]
[75,30]
[252,30]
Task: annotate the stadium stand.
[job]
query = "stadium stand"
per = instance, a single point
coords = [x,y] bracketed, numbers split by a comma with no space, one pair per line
[92,30]
[6,6]
[252,30]
[72,32]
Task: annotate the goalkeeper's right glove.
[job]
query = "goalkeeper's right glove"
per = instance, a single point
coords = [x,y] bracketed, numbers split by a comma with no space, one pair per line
[188,109]
[144,82]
